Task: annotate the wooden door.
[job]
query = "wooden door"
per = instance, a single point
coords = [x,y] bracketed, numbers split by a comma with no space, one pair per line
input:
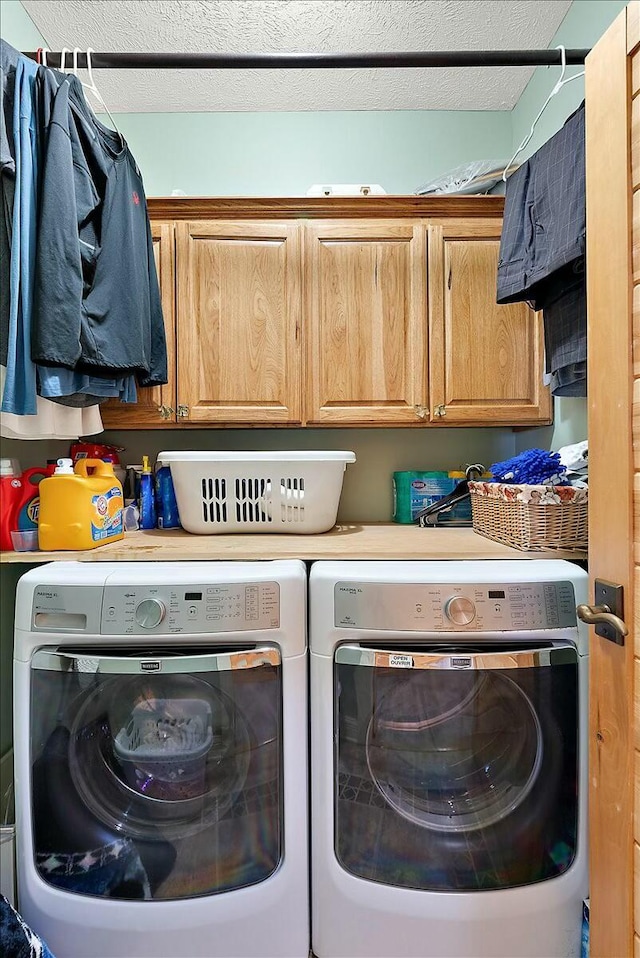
[485,360]
[156,405]
[366,307]
[239,317]
[613,369]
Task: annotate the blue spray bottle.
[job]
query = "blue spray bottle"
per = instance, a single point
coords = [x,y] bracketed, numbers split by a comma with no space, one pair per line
[167,515]
[147,497]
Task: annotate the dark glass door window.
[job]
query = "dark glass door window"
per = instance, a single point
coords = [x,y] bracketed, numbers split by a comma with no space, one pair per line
[456,770]
[159,784]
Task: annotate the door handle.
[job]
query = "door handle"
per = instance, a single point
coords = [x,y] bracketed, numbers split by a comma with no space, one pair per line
[608,612]
[602,615]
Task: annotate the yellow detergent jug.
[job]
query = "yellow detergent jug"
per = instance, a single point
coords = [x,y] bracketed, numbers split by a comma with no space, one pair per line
[80,508]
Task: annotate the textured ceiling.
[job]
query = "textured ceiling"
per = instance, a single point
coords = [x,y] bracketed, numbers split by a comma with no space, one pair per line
[297,26]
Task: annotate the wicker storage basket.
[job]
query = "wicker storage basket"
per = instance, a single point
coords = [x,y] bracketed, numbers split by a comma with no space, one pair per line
[530,518]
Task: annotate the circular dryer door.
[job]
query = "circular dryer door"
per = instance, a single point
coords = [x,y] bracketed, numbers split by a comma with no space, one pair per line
[456,769]
[156,776]
[455,756]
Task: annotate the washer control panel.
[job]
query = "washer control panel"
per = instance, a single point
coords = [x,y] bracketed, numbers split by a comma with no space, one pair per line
[156,609]
[231,607]
[442,607]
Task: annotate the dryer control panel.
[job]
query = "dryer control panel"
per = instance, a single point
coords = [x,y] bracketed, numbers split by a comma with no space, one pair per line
[451,607]
[158,609]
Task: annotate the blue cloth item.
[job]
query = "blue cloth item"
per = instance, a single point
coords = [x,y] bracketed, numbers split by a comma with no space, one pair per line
[8,63]
[20,385]
[17,940]
[81,389]
[113,870]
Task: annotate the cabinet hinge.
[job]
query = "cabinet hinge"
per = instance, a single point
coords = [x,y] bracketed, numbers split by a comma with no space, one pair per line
[440,410]
[183,412]
[165,412]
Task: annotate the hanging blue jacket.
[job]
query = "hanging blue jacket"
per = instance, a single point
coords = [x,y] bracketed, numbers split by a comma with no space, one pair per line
[97,303]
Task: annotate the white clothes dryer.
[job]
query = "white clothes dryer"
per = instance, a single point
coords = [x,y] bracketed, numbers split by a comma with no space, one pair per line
[449,759]
[161,758]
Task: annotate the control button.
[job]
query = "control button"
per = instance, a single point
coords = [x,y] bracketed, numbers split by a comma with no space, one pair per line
[192,611]
[460,610]
[150,613]
[111,611]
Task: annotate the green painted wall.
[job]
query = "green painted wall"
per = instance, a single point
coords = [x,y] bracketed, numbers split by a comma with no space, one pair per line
[17,27]
[283,154]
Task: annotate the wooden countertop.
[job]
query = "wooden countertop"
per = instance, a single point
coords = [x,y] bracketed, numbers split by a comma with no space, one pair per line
[344,541]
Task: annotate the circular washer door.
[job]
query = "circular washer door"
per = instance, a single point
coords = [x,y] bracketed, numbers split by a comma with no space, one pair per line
[174,752]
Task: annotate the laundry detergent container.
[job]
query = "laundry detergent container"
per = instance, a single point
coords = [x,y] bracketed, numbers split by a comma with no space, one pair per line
[257,491]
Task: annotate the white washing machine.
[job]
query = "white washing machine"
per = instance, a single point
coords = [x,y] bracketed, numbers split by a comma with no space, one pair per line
[449,759]
[161,758]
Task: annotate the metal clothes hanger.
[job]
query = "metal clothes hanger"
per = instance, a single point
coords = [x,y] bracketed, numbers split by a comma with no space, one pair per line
[558,86]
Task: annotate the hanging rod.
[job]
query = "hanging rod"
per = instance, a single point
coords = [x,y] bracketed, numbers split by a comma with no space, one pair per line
[320,61]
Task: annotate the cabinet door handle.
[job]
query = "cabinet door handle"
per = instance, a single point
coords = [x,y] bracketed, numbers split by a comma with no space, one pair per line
[440,410]
[421,411]
[165,412]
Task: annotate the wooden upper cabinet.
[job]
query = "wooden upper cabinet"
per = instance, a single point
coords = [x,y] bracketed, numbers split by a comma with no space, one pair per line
[485,360]
[366,322]
[157,404]
[239,320]
[381,312]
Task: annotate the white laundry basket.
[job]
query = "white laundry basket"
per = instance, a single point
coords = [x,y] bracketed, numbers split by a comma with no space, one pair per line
[163,748]
[257,491]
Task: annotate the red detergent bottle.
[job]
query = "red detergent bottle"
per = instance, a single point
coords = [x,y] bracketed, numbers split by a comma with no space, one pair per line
[19,499]
[11,491]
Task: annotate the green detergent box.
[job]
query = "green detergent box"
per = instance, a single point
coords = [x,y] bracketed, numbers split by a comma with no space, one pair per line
[415,491]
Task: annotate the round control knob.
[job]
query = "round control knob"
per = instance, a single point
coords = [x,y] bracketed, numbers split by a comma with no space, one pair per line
[150,613]
[460,610]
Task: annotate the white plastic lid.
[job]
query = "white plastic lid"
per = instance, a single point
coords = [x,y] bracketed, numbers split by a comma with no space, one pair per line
[296,455]
[64,468]
[10,467]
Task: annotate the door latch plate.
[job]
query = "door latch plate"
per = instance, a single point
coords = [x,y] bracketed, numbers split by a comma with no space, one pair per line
[609,594]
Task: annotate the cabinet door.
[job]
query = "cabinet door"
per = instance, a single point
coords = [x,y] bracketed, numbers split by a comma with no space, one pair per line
[239,306]
[156,405]
[366,305]
[486,361]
